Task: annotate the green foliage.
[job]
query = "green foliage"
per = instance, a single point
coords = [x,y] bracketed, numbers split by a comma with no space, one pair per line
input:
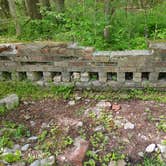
[11,131]
[84,22]
[27,89]
[152,160]
[162,125]
[12,157]
[2,110]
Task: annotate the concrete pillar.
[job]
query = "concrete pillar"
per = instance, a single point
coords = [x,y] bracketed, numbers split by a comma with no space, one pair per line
[33,76]
[153,77]
[121,77]
[102,76]
[85,77]
[76,76]
[1,77]
[47,76]
[15,76]
[137,77]
[66,76]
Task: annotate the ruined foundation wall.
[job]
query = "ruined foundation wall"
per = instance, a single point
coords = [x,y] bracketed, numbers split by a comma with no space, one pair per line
[65,63]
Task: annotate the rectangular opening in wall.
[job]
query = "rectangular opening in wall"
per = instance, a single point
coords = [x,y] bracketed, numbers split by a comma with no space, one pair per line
[129,76]
[162,76]
[145,76]
[22,76]
[111,76]
[6,75]
[39,75]
[56,76]
[93,76]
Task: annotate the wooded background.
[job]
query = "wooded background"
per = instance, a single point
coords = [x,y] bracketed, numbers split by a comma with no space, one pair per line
[105,24]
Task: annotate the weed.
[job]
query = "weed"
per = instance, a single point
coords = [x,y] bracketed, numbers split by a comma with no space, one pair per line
[12,157]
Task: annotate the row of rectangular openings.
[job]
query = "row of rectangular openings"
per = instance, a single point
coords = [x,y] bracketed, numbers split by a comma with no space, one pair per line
[111,76]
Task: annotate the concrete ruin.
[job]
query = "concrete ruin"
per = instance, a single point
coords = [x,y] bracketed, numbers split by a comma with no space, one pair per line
[66,63]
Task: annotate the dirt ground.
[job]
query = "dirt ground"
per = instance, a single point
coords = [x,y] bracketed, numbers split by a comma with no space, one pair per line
[145,115]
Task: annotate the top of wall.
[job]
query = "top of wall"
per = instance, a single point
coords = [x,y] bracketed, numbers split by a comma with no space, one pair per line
[71,50]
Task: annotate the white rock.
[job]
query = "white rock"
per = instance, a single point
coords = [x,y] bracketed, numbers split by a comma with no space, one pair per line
[128,125]
[36,163]
[40,83]
[25,147]
[16,147]
[150,148]
[103,104]
[33,139]
[32,123]
[57,78]
[79,124]
[141,154]
[162,148]
[71,103]
[48,161]
[99,128]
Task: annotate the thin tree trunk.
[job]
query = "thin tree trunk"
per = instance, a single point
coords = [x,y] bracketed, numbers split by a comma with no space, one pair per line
[12,8]
[45,3]
[60,5]
[33,9]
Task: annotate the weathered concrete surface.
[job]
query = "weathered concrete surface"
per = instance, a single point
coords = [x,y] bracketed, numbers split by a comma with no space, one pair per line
[10,102]
[84,66]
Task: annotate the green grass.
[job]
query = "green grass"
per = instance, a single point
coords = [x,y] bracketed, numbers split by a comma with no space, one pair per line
[27,90]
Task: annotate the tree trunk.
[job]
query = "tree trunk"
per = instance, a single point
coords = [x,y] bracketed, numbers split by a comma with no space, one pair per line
[45,3]
[4,9]
[107,17]
[60,5]
[12,8]
[33,9]
[109,12]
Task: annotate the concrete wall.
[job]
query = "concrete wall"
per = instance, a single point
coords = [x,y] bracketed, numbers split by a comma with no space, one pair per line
[65,63]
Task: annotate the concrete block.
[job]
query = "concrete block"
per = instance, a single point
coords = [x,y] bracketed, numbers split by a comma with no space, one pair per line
[102,76]
[121,77]
[137,77]
[85,77]
[10,102]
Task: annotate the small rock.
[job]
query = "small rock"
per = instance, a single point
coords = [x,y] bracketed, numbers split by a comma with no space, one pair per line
[112,163]
[25,147]
[99,128]
[27,117]
[162,148]
[141,154]
[16,147]
[18,164]
[33,139]
[150,148]
[57,78]
[75,155]
[77,98]
[10,102]
[36,163]
[48,161]
[32,123]
[116,107]
[79,124]
[71,103]
[44,125]
[117,163]
[40,83]
[103,104]
[7,151]
[128,125]
[121,163]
